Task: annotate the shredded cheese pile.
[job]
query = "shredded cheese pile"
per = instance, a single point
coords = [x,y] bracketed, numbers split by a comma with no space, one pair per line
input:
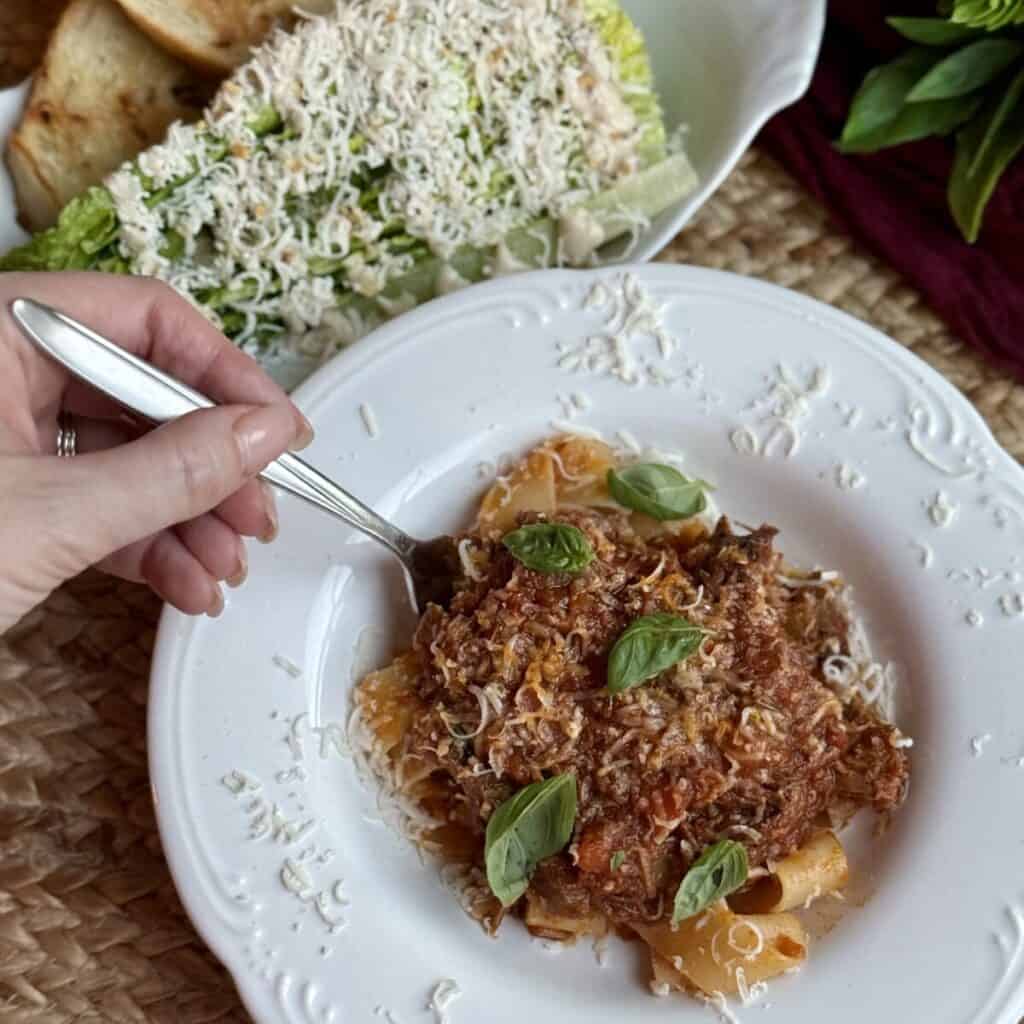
[348,150]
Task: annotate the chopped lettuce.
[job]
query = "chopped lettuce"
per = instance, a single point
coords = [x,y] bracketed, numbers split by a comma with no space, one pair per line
[626,42]
[81,239]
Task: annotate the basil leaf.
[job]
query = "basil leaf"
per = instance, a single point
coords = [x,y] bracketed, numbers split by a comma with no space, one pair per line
[660,492]
[966,70]
[550,547]
[718,871]
[984,149]
[618,858]
[917,121]
[535,823]
[933,31]
[884,91]
[1003,109]
[648,646]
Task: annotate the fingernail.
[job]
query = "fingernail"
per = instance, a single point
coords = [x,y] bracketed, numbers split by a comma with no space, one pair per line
[238,577]
[217,604]
[263,433]
[270,508]
[305,436]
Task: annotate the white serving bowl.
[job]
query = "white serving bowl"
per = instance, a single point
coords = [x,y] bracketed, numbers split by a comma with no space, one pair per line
[722,67]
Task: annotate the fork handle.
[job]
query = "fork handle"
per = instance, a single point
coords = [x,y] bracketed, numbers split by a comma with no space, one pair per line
[159,398]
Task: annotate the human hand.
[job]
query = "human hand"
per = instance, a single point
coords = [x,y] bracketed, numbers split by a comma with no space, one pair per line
[169,506]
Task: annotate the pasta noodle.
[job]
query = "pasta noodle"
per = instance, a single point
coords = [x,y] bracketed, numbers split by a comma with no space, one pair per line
[817,868]
[530,487]
[547,924]
[705,951]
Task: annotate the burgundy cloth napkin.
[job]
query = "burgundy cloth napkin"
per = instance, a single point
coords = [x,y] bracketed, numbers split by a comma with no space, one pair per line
[895,201]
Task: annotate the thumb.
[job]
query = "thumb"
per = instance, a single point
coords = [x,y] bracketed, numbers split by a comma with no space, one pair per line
[172,474]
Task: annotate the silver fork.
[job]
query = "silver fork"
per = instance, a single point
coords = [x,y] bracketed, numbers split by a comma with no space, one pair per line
[431,566]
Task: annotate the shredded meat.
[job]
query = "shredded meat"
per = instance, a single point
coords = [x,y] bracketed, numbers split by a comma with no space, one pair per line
[743,740]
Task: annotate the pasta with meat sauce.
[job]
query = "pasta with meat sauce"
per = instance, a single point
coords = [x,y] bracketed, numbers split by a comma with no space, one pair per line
[623,722]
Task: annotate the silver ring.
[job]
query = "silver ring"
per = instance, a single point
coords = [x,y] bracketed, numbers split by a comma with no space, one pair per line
[67,436]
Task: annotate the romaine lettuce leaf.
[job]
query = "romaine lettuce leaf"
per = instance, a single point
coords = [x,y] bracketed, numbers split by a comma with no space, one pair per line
[86,227]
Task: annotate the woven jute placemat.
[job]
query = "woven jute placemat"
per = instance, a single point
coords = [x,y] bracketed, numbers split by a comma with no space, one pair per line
[90,926]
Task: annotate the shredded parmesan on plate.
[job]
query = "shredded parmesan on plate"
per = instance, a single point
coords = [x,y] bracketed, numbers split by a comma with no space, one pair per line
[287,665]
[978,744]
[369,418]
[717,1001]
[443,995]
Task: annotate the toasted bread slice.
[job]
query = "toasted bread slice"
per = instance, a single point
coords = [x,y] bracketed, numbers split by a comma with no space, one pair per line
[214,35]
[103,94]
[25,25]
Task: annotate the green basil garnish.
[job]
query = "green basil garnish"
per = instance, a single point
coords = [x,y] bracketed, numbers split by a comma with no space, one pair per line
[550,547]
[618,857]
[648,646]
[718,871]
[660,492]
[535,823]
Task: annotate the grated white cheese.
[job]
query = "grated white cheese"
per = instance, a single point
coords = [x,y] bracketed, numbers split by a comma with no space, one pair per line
[822,579]
[1012,605]
[784,405]
[337,923]
[296,879]
[369,418]
[631,316]
[577,429]
[445,993]
[717,1001]
[486,116]
[629,442]
[974,618]
[745,442]
[287,665]
[978,744]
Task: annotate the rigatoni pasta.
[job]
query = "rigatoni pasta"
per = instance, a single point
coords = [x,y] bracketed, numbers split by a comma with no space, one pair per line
[816,869]
[719,950]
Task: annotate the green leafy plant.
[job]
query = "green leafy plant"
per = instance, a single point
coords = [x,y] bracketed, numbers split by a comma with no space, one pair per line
[990,14]
[658,491]
[550,547]
[528,827]
[648,646]
[718,871]
[965,75]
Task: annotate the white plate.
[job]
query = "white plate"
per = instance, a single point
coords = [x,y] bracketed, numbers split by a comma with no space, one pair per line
[474,376]
[722,68]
